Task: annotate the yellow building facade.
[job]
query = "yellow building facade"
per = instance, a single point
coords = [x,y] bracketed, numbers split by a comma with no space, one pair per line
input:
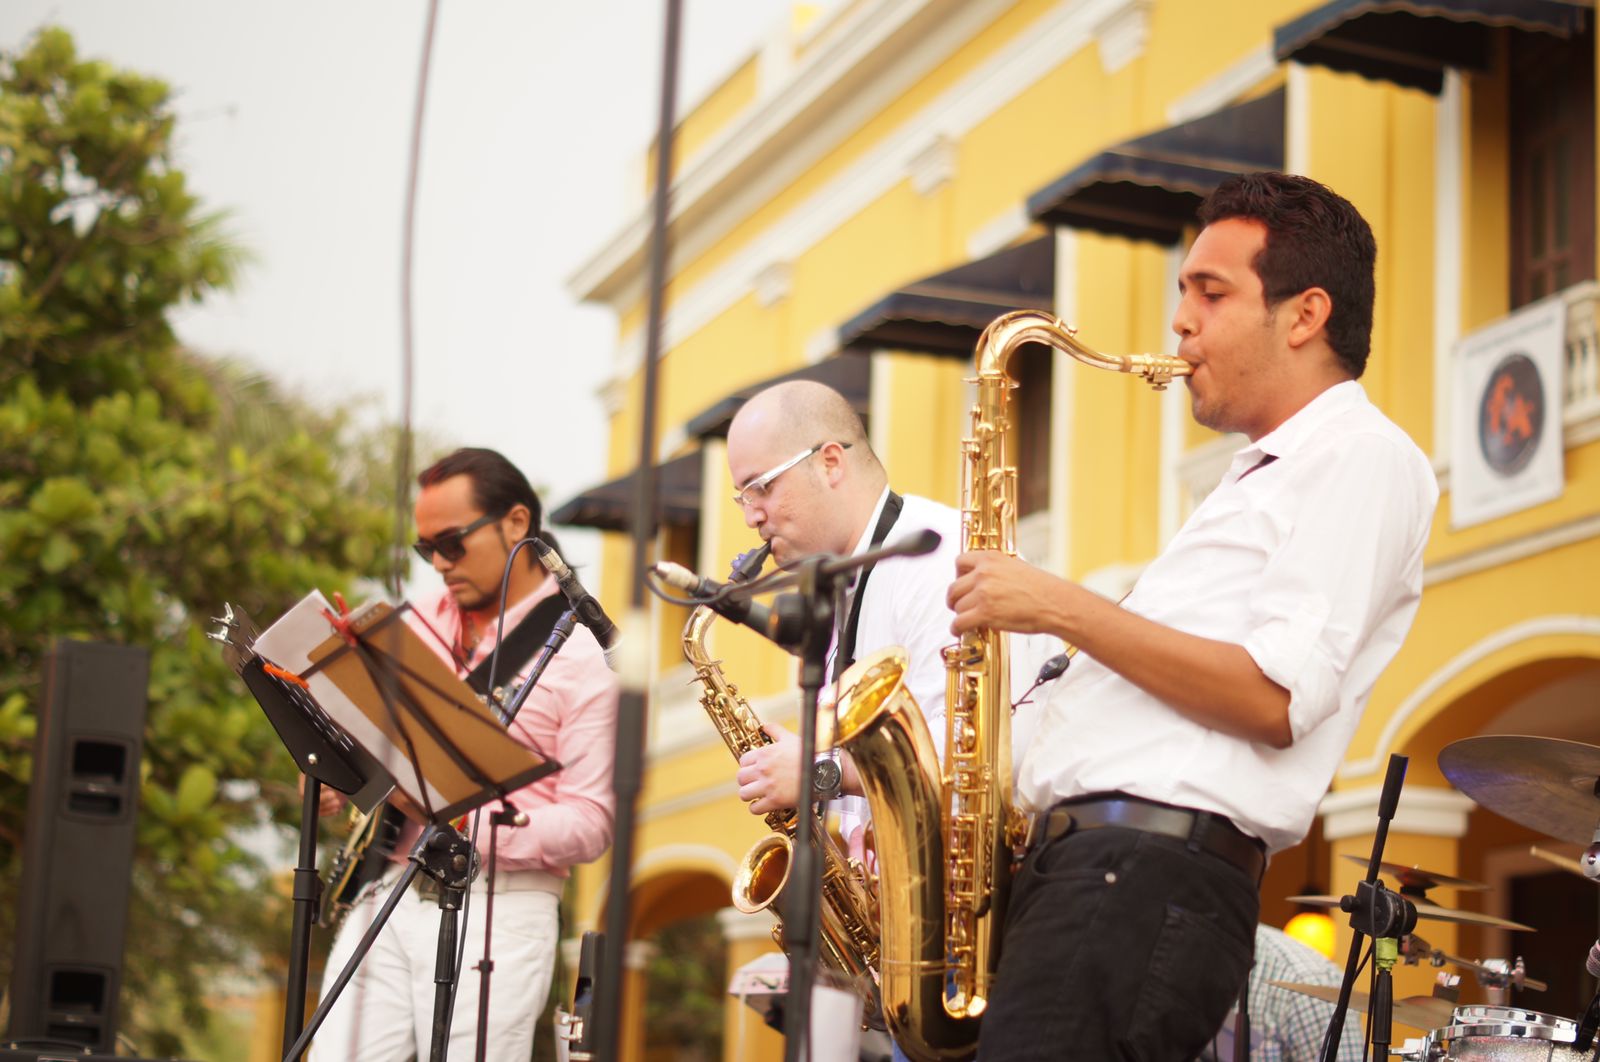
[872,185]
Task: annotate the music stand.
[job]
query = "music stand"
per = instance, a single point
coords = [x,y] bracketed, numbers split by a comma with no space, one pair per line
[423,725]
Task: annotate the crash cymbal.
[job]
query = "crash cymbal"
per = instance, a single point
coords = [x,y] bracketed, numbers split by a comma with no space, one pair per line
[1429,910]
[1546,784]
[1419,1012]
[1417,878]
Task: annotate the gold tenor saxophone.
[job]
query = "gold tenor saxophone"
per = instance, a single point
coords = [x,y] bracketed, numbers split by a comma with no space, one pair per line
[848,917]
[946,841]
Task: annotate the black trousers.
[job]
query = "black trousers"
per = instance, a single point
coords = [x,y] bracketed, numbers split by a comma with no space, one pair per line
[1119,946]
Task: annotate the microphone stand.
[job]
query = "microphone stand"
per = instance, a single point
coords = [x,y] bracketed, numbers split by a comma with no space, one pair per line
[1376,912]
[507,814]
[816,592]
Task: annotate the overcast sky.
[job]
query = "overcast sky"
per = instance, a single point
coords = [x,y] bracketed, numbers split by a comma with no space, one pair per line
[295,119]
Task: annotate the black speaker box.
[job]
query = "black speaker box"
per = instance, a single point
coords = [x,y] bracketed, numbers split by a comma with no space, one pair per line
[77,856]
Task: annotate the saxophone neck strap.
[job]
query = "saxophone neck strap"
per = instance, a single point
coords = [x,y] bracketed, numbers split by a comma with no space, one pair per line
[845,653]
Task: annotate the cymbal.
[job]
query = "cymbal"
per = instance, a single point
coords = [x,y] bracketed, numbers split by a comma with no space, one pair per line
[1419,1012]
[1417,878]
[1545,784]
[1430,911]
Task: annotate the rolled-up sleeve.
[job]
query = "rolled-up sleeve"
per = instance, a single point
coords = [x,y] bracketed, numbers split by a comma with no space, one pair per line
[1349,556]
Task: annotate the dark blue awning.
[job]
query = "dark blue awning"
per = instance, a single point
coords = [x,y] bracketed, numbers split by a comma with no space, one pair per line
[1413,42]
[609,506]
[847,374]
[945,313]
[1148,188]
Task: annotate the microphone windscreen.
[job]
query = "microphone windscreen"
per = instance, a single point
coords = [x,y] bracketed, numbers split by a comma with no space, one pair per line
[925,541]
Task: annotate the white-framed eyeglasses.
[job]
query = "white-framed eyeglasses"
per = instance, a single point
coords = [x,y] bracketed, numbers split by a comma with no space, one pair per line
[755,491]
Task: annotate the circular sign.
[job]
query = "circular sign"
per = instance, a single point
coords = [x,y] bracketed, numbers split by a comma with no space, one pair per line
[1511,414]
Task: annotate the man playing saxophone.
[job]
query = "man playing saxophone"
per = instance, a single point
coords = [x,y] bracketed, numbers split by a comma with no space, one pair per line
[1205,716]
[808,482]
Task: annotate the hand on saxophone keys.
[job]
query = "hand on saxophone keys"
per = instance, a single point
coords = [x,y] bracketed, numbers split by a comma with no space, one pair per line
[769,776]
[997,591]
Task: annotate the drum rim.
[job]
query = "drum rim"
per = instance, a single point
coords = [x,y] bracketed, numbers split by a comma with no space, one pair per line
[1489,1020]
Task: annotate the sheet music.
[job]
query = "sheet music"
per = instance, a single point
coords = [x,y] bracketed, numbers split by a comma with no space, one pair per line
[288,643]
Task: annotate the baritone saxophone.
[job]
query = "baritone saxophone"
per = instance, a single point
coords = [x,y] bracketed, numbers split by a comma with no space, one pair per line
[848,915]
[945,838]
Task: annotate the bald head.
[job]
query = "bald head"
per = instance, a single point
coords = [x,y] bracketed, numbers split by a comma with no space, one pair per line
[801,413]
[819,504]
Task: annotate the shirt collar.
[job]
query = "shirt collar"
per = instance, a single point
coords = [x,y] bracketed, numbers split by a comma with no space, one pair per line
[865,541]
[1305,424]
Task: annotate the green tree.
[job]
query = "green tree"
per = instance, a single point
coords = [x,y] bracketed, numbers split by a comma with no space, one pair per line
[140,487]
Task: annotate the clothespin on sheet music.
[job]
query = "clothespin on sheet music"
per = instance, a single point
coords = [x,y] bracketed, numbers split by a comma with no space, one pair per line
[341,622]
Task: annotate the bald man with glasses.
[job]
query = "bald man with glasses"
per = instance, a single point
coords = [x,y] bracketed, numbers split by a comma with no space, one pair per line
[808,482]
[472,509]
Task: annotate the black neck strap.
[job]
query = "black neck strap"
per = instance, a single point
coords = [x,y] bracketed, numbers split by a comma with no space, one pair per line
[845,653]
[518,647]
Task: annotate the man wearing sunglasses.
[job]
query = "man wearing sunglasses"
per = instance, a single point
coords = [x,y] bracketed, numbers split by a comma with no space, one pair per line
[473,507]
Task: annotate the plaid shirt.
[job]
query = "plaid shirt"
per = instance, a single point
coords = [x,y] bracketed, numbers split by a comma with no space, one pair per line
[1286,1026]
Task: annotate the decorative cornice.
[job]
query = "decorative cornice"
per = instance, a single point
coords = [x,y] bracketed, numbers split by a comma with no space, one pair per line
[1057,35]
[773,282]
[1122,35]
[1511,549]
[932,165]
[1255,67]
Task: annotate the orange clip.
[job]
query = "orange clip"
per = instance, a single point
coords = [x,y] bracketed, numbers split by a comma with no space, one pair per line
[340,624]
[288,676]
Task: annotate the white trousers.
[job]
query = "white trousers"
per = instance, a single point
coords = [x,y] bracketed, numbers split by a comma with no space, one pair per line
[385,1013]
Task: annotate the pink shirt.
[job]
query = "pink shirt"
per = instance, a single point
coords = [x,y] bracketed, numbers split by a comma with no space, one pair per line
[570,716]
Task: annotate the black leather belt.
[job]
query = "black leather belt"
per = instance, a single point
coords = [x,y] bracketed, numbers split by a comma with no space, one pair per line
[1201,830]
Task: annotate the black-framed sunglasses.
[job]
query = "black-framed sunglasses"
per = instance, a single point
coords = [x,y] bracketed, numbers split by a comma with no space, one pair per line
[452,544]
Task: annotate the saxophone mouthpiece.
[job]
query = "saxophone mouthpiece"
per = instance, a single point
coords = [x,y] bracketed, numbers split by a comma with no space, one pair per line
[747,565]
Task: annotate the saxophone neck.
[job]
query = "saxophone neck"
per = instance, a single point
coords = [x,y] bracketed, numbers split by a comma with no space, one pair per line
[1007,333]
[694,636]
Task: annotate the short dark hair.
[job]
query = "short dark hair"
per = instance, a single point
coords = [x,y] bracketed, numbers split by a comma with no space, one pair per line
[1315,239]
[498,486]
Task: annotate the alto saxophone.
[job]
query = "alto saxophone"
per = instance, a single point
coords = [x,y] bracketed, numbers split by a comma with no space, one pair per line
[848,916]
[945,839]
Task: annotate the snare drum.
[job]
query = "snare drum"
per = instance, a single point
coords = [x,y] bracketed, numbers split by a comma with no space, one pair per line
[1483,1033]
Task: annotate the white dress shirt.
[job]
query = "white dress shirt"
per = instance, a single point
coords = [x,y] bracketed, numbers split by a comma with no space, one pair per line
[904,605]
[1313,563]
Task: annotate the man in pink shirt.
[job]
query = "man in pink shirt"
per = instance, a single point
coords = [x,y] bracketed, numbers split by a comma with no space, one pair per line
[474,505]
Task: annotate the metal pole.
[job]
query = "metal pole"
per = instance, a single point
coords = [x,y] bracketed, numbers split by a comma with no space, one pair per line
[628,769]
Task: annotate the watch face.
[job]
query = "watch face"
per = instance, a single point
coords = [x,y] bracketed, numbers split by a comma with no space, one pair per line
[825,778]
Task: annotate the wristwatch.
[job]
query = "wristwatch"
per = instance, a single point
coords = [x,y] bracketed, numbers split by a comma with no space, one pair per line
[826,777]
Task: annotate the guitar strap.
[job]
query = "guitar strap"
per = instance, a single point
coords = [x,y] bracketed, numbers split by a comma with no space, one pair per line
[518,647]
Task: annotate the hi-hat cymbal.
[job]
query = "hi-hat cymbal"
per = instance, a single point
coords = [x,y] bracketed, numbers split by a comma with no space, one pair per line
[1417,878]
[1430,911]
[1546,784]
[1419,1012]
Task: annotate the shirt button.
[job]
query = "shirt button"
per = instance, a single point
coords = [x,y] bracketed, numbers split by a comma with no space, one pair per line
[1111,877]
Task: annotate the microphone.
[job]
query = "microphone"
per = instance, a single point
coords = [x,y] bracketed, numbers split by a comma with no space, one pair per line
[740,608]
[584,606]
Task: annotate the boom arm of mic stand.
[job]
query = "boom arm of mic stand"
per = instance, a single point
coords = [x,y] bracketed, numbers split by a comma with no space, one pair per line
[558,637]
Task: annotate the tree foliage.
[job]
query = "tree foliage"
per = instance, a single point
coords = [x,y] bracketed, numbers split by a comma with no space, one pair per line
[140,487]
